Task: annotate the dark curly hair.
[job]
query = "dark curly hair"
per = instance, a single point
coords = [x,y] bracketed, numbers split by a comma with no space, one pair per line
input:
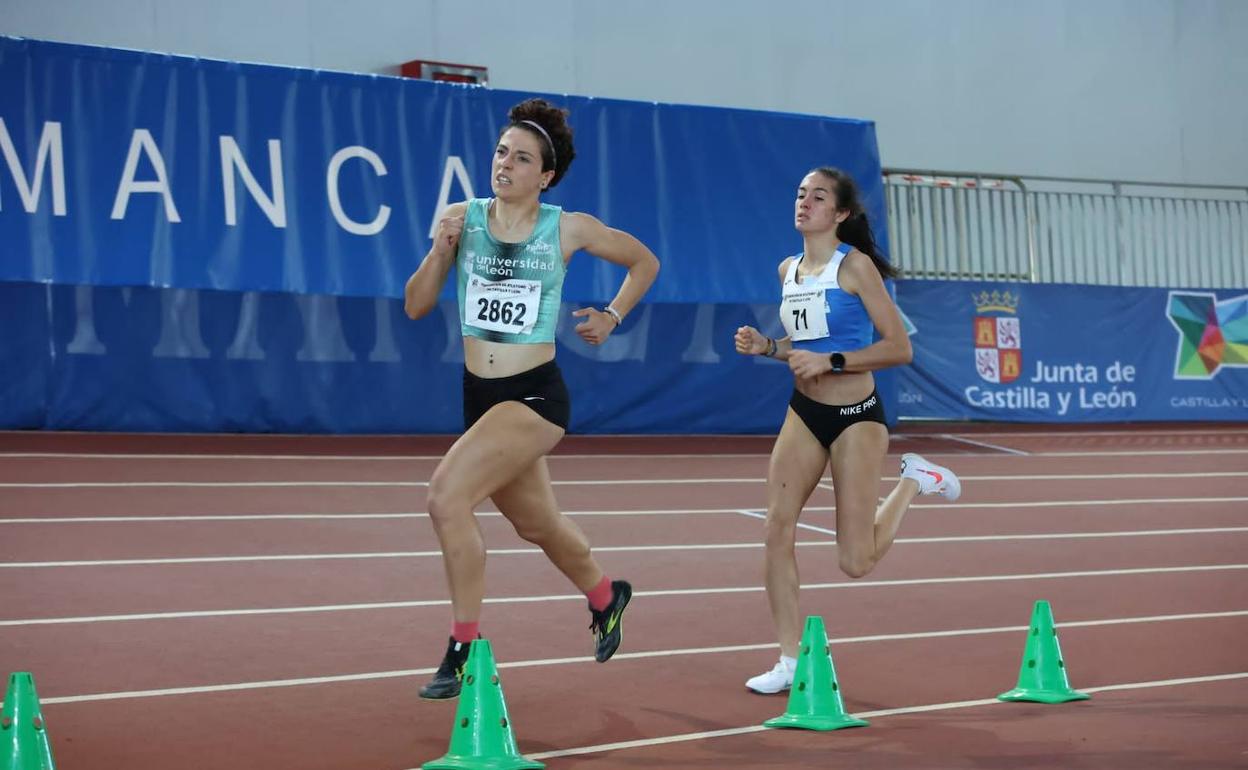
[856,230]
[554,120]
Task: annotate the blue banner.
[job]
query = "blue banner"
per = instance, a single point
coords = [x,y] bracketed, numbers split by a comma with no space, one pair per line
[123,168]
[1061,353]
[97,358]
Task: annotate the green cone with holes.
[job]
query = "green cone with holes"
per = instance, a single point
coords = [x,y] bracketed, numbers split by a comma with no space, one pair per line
[23,735]
[1042,678]
[481,738]
[815,698]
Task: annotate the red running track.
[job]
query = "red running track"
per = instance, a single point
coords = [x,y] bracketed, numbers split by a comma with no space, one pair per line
[275,602]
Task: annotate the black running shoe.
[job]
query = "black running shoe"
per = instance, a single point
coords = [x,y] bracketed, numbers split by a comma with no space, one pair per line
[606,624]
[446,682]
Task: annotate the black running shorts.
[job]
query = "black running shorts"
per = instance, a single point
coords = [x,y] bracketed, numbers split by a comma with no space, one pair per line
[540,388]
[828,421]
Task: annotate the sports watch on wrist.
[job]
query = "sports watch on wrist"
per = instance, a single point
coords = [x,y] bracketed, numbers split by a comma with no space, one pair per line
[838,363]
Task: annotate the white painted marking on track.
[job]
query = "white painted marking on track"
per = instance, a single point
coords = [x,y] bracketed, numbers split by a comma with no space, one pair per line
[581,597]
[622,512]
[618,548]
[592,482]
[984,444]
[953,705]
[1129,434]
[800,524]
[351,458]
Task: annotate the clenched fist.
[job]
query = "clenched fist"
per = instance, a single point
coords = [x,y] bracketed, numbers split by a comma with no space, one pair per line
[750,341]
[596,327]
[446,238]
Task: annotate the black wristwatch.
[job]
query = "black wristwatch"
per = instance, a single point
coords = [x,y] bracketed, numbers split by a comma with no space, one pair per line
[838,363]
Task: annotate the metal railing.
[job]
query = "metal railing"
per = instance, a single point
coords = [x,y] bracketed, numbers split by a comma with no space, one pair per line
[1065,230]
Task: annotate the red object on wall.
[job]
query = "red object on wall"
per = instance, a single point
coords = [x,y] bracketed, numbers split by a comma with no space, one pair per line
[423,69]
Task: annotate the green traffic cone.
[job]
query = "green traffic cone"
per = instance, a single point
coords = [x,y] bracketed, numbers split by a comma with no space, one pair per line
[23,735]
[482,738]
[1042,677]
[815,698]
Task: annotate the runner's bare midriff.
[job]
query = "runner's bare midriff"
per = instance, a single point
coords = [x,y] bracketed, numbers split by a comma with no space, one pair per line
[503,359]
[837,389]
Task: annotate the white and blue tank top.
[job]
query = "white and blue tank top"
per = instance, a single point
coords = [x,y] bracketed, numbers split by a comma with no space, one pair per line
[819,315]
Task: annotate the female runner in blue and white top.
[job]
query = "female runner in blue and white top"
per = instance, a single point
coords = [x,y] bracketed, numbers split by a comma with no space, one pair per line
[833,299]
[510,253]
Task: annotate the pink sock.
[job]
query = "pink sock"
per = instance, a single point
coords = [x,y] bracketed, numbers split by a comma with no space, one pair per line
[600,595]
[464,632]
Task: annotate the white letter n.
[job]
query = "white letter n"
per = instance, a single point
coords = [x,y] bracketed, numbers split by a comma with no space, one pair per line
[231,159]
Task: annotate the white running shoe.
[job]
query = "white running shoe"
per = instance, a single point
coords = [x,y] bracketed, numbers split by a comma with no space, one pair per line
[932,479]
[776,680]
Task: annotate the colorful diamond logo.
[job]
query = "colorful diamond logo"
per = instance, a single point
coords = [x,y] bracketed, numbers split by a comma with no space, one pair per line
[1212,334]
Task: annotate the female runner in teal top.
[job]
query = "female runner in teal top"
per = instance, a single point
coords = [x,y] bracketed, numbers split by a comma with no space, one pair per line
[509,254]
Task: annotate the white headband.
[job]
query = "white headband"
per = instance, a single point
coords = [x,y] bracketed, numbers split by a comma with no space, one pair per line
[554,157]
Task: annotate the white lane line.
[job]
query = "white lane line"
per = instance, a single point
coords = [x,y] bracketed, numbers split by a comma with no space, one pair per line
[351,555]
[362,516]
[622,512]
[209,484]
[1177,450]
[1076,503]
[681,652]
[225,517]
[1097,476]
[984,444]
[1182,432]
[800,524]
[1071,535]
[581,597]
[616,548]
[341,458]
[254,484]
[590,482]
[669,739]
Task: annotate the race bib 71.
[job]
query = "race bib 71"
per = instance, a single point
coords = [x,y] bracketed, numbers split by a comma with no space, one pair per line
[804,313]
